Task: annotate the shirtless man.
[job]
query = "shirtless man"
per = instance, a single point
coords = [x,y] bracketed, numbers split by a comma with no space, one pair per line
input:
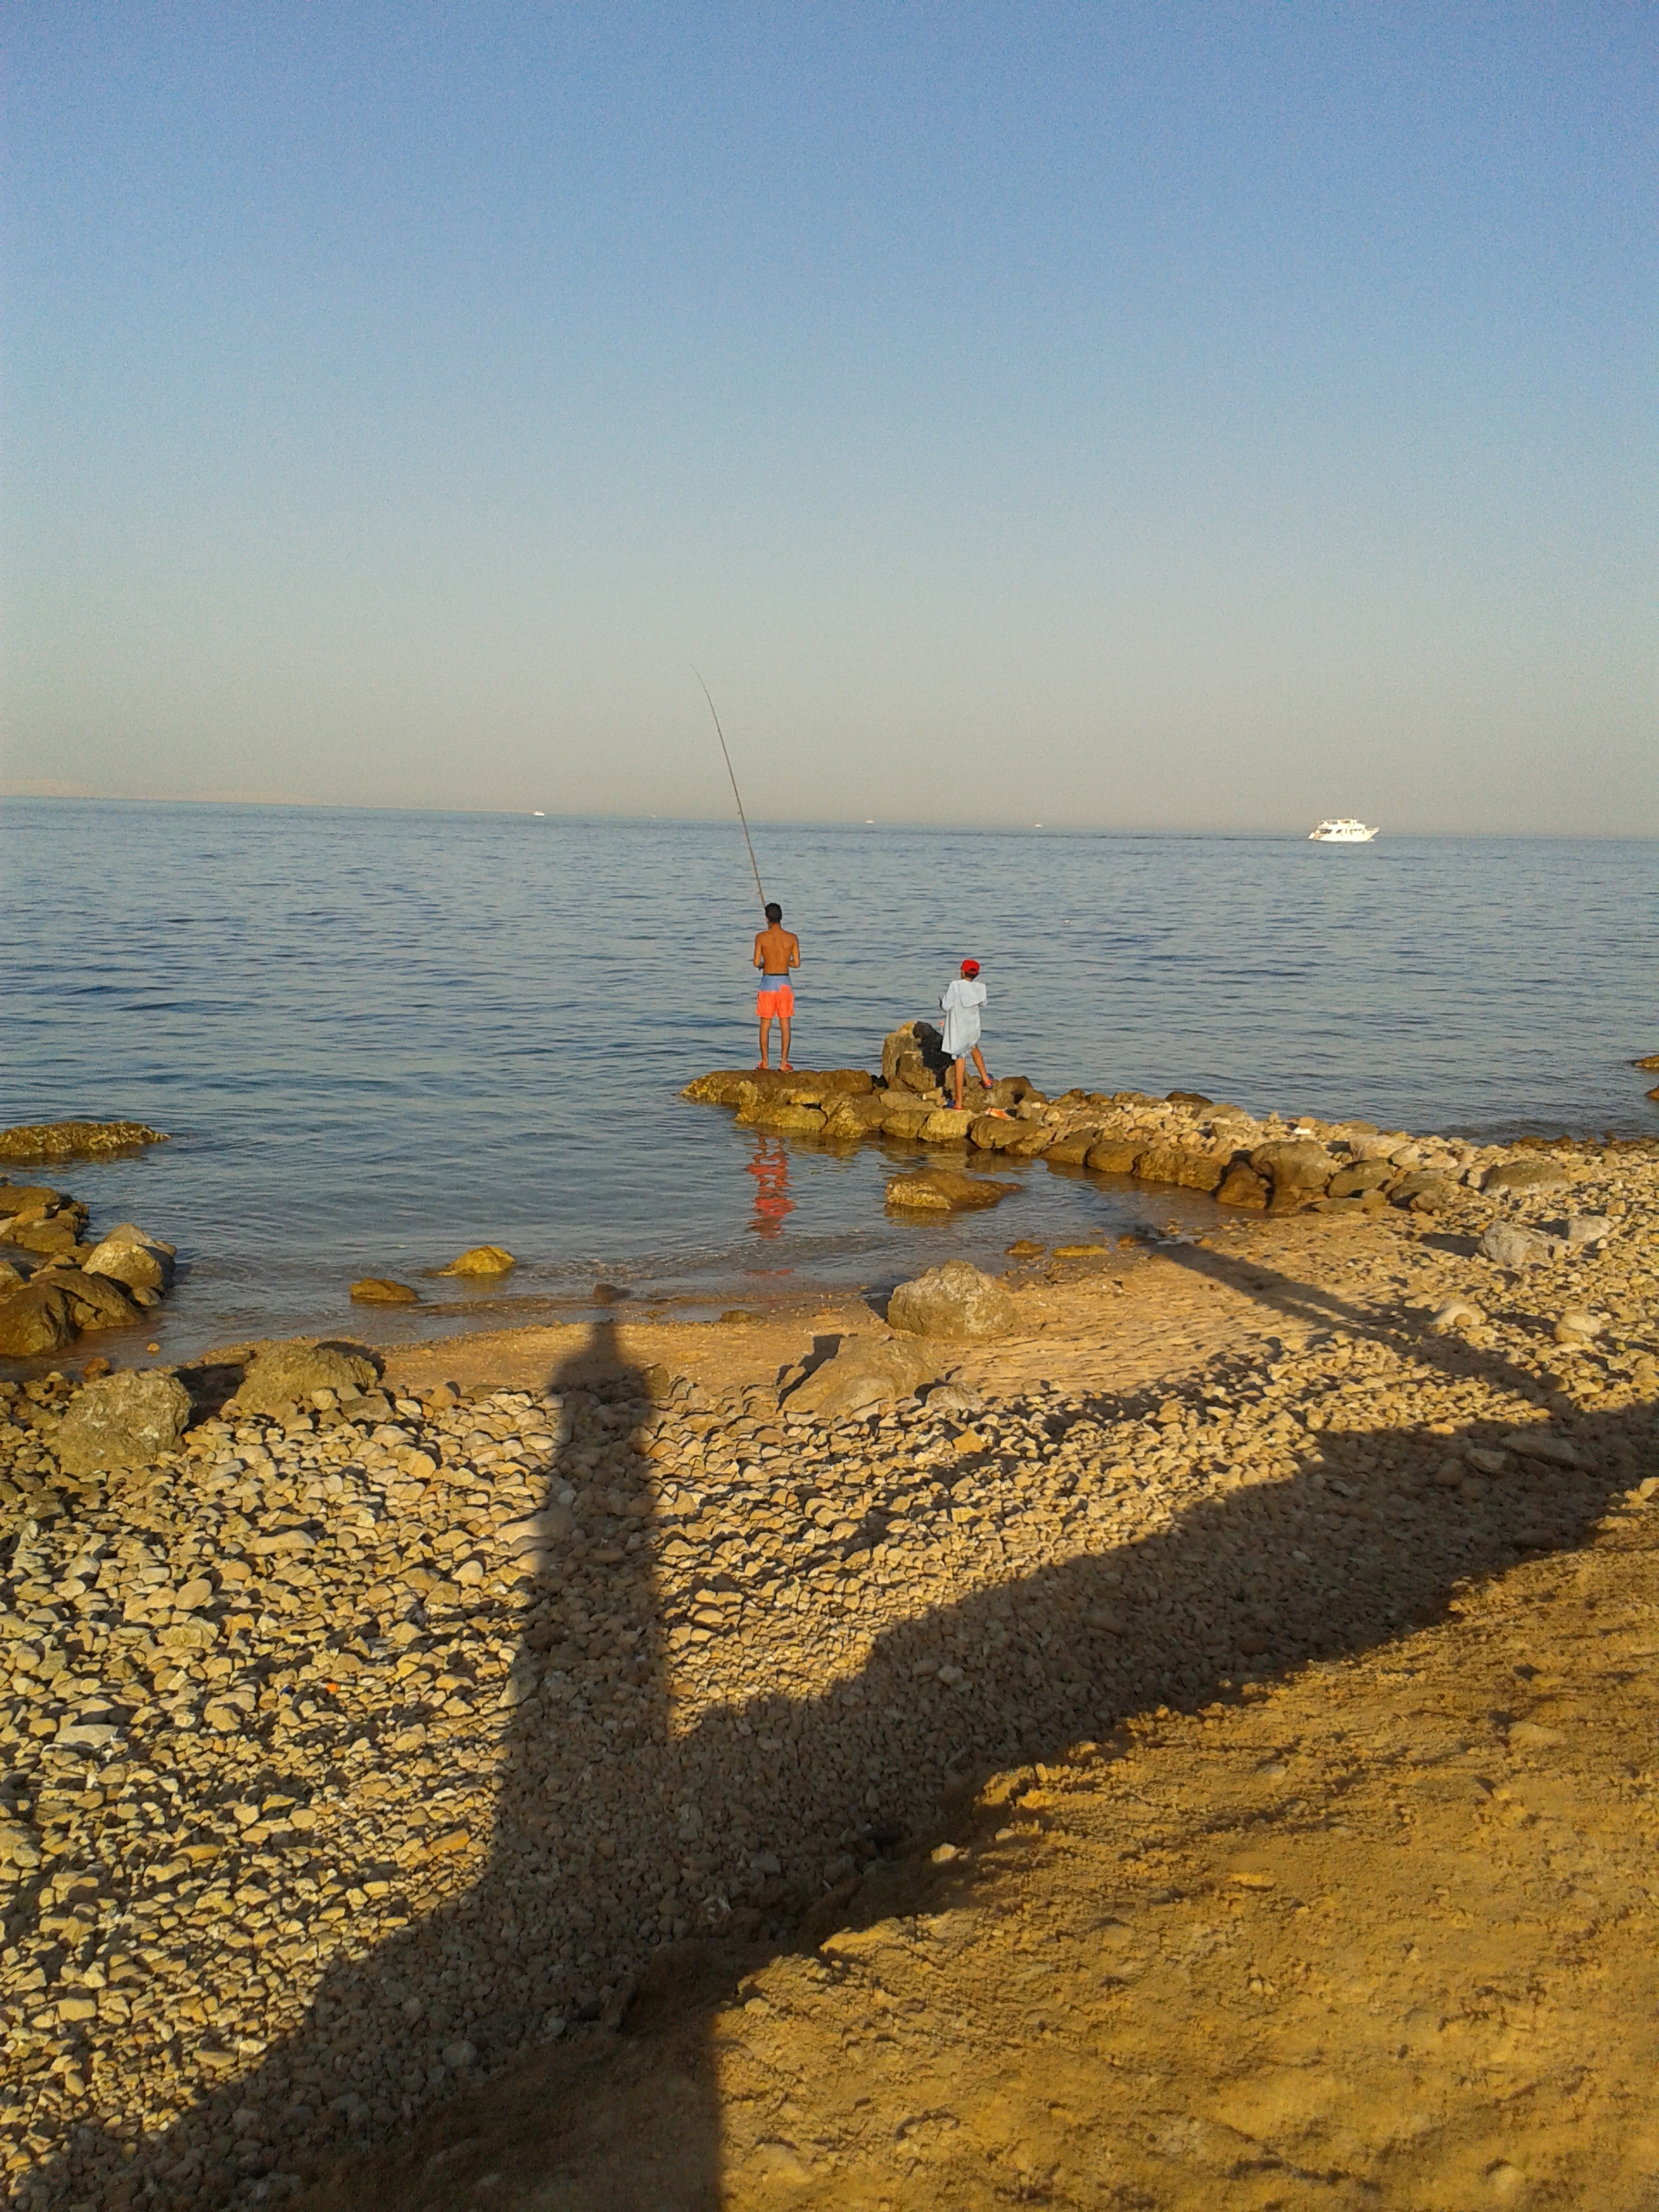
[776,951]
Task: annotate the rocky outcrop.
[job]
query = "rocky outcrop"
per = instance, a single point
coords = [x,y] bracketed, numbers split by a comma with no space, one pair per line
[75,1139]
[958,1300]
[381,1290]
[74,1287]
[122,1421]
[1185,1140]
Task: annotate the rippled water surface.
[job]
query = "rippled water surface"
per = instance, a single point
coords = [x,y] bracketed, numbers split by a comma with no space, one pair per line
[380,1037]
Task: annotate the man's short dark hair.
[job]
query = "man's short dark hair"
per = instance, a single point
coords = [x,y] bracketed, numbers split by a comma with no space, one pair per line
[774,913]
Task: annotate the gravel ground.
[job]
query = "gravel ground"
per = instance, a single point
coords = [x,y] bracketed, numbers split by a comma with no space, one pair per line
[345,1758]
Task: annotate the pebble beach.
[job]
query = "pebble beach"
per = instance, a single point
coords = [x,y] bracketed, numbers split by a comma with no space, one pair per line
[357,1745]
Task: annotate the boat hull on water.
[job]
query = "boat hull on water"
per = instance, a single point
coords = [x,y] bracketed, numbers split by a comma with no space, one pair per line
[1343,831]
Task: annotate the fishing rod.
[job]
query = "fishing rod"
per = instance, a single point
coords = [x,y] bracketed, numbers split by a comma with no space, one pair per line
[736,794]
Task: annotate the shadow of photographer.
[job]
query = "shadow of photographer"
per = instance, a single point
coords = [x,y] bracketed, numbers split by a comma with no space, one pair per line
[632,1826]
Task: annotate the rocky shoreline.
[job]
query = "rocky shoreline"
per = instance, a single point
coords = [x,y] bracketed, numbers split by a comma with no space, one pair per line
[1184,1139]
[369,1729]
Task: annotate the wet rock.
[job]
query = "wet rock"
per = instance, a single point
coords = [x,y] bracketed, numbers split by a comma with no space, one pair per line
[74,1140]
[29,1201]
[1071,1151]
[381,1290]
[482,1260]
[1114,1155]
[285,1375]
[1531,1173]
[758,1111]
[122,1421]
[945,1126]
[97,1301]
[945,1189]
[128,1255]
[955,1300]
[866,1372]
[35,1319]
[53,1236]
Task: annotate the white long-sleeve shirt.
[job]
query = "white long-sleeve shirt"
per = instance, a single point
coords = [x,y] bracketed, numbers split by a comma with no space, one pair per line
[960,1006]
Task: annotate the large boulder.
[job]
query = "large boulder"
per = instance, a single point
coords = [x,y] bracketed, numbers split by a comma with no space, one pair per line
[1511,1246]
[945,1189]
[128,1255]
[1296,1166]
[1365,1175]
[35,1319]
[285,1375]
[849,1117]
[866,1372]
[956,1301]
[122,1420]
[53,1236]
[1532,1172]
[1178,1163]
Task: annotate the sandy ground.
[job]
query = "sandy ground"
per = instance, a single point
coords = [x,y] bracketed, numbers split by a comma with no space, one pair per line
[1217,1769]
[1381,1936]
[1376,1931]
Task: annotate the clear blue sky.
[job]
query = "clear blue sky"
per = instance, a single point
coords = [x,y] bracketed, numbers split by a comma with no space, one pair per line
[1140,415]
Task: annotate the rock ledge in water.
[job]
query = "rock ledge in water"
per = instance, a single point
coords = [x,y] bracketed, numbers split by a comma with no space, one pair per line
[75,1139]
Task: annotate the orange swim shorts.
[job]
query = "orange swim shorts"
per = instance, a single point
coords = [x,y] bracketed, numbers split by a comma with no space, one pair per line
[780,1003]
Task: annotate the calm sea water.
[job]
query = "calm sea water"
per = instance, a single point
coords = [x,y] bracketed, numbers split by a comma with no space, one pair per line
[377,1038]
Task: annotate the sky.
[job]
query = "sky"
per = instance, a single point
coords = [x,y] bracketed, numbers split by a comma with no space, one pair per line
[1124,416]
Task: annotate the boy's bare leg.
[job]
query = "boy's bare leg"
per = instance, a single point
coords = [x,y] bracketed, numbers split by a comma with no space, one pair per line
[785,1025]
[956,1071]
[984,1074]
[765,1043]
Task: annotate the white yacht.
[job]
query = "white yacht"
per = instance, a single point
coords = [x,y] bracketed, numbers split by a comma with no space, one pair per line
[1343,831]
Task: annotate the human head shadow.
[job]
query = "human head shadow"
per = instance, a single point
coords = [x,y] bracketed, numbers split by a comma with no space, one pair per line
[618,1836]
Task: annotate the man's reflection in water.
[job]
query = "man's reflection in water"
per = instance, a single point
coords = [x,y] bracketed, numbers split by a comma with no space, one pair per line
[769,1168]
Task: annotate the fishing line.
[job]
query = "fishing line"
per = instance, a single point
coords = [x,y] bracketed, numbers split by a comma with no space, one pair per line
[736,794]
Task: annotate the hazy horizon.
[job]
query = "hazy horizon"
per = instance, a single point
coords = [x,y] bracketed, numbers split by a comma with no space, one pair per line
[1199,417]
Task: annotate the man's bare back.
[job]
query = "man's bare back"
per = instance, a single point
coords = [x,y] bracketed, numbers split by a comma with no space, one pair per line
[776,951]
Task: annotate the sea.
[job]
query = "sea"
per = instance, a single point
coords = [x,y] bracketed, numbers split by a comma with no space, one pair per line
[377,1037]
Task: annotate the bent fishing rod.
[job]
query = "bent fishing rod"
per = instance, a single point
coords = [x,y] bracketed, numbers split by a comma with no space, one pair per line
[736,794]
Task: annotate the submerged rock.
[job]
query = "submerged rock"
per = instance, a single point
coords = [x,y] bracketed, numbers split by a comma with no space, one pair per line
[482,1260]
[958,1299]
[945,1189]
[381,1290]
[122,1420]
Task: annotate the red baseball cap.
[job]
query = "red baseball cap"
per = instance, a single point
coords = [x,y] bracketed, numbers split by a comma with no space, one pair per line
[970,966]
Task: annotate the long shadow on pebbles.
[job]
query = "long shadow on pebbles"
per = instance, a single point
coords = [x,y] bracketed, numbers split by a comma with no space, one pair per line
[616,1804]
